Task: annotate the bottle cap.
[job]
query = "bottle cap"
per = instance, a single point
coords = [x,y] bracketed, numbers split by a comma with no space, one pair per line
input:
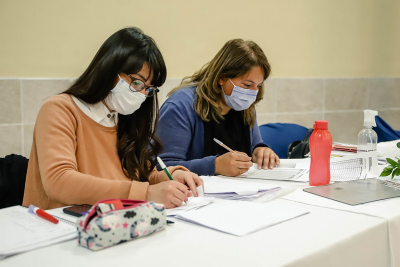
[321,125]
[369,117]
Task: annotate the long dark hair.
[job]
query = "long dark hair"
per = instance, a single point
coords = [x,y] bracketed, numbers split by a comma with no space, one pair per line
[125,52]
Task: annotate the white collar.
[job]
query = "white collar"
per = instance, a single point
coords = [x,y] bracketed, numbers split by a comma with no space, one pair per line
[98,112]
[101,112]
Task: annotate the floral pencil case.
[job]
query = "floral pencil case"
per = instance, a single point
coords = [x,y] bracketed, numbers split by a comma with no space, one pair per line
[113,221]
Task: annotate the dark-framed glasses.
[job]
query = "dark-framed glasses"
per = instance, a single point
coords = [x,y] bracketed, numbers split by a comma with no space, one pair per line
[137,85]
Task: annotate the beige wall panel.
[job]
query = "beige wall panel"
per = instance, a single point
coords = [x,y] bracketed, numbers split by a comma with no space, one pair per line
[300,95]
[304,119]
[307,38]
[384,93]
[10,140]
[36,92]
[266,118]
[268,104]
[345,126]
[10,101]
[345,94]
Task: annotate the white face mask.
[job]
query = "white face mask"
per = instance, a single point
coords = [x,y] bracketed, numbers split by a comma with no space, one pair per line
[241,98]
[123,100]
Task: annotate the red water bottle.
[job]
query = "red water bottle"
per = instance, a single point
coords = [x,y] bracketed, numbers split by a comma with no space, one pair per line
[320,150]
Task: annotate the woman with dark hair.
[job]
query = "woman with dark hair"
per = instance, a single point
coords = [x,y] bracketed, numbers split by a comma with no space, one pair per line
[96,140]
[218,102]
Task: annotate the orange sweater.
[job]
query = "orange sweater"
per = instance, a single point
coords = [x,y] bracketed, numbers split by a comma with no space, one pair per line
[74,160]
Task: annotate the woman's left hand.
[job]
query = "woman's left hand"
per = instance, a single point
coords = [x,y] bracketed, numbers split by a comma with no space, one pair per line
[190,179]
[265,158]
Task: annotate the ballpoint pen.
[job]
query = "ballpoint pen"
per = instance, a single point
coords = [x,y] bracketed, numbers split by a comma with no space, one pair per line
[164,168]
[162,165]
[223,145]
[41,213]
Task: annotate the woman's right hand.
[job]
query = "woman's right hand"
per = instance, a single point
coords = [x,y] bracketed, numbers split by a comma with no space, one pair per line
[232,164]
[169,193]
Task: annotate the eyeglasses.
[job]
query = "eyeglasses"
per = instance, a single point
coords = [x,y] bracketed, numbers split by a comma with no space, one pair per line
[137,85]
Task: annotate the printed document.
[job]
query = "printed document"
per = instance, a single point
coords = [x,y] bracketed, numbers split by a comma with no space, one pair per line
[193,203]
[228,188]
[351,167]
[22,231]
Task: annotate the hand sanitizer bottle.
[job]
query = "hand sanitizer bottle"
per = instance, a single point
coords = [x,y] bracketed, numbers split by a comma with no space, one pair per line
[367,138]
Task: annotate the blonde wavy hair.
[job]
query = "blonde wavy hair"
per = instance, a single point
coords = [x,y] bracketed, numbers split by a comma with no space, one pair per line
[236,58]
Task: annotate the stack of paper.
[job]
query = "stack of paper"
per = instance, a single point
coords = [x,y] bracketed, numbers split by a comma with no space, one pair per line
[22,231]
[347,168]
[226,188]
[344,147]
[193,203]
[283,174]
[241,218]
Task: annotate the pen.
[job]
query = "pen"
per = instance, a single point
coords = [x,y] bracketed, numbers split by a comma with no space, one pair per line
[41,213]
[223,145]
[164,168]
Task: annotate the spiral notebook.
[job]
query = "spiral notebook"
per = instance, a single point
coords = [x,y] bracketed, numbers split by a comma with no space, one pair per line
[22,231]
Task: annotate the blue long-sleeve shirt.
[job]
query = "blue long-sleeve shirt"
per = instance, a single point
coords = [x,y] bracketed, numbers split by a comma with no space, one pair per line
[181,132]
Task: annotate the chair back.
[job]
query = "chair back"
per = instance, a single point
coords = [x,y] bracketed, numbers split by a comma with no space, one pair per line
[278,136]
[12,180]
[384,131]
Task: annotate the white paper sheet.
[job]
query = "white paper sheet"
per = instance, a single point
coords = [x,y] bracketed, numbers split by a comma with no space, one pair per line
[22,231]
[218,185]
[193,203]
[283,174]
[353,167]
[227,188]
[241,218]
[200,191]
[350,167]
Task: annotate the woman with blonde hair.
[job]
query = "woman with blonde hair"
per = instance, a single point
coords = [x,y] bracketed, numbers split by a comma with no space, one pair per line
[218,102]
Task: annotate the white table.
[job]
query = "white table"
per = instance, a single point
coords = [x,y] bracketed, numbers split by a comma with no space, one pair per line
[324,237]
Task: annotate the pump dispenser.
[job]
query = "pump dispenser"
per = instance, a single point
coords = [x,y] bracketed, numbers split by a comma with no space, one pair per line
[367,138]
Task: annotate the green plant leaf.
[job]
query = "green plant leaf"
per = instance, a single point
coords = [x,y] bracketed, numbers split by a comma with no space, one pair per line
[389,168]
[397,172]
[391,162]
[386,173]
[398,145]
[394,173]
[398,164]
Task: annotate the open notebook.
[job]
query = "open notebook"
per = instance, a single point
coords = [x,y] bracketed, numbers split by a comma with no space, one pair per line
[22,231]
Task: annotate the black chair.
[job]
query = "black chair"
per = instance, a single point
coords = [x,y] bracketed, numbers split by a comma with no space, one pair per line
[12,180]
